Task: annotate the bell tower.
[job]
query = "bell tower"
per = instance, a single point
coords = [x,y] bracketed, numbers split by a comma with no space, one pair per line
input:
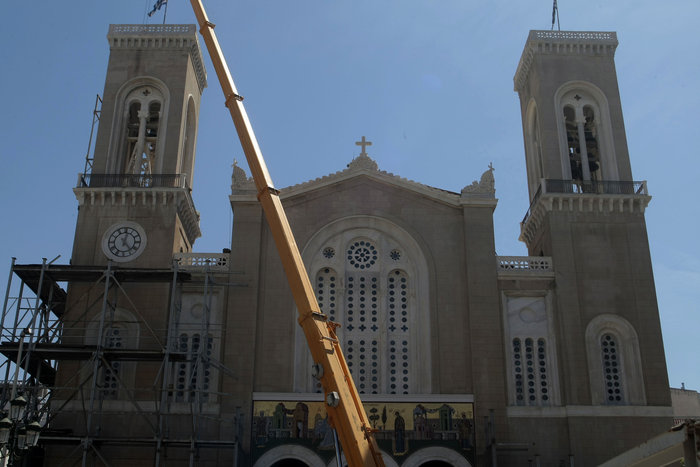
[571,111]
[136,206]
[587,214]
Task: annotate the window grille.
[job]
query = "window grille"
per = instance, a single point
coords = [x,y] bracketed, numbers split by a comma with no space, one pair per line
[612,374]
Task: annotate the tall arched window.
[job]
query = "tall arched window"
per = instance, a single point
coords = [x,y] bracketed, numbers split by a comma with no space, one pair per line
[188,141]
[588,152]
[113,339]
[533,149]
[193,376]
[614,362]
[196,338]
[376,321]
[612,369]
[120,330]
[372,281]
[142,127]
[138,128]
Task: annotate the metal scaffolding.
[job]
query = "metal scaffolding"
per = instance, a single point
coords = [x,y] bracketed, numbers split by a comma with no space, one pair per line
[92,384]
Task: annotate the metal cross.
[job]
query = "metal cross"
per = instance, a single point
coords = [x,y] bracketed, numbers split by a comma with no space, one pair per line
[364,143]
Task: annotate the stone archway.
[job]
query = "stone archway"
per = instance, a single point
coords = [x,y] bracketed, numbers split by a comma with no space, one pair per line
[291,452]
[436,453]
[388,461]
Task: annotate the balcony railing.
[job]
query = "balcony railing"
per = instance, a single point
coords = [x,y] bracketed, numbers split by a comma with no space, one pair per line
[603,187]
[588,187]
[525,264]
[132,181]
[202,261]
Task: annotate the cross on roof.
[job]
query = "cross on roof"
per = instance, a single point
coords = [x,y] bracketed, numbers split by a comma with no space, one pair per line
[364,143]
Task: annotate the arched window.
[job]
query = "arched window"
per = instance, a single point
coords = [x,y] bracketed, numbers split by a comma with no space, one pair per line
[196,338]
[138,128]
[533,149]
[398,333]
[612,371]
[142,127]
[614,362]
[588,154]
[193,376]
[326,288]
[530,372]
[372,281]
[113,339]
[120,330]
[188,141]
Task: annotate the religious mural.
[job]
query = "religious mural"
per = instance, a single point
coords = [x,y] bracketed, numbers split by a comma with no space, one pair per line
[402,427]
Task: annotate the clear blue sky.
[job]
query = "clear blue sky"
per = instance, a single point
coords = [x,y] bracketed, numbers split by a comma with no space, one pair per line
[428,81]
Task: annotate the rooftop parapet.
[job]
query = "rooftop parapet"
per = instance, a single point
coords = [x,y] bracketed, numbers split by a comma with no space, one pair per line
[160,36]
[562,43]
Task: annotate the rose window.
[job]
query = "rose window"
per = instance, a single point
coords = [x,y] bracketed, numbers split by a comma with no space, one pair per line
[362,255]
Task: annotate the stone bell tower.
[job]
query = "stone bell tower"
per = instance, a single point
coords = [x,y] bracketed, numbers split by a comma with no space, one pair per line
[136,206]
[587,214]
[123,307]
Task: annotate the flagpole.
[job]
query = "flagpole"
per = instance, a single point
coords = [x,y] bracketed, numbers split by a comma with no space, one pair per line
[165,13]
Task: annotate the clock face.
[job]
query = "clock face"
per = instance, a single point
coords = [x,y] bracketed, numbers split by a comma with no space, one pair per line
[124,241]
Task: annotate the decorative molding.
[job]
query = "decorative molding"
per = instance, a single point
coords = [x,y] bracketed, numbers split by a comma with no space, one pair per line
[484,188]
[578,203]
[363,165]
[590,411]
[524,266]
[363,162]
[140,406]
[562,43]
[161,36]
[201,262]
[240,181]
[317,397]
[146,197]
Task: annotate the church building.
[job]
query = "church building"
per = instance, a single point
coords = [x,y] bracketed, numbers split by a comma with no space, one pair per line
[155,354]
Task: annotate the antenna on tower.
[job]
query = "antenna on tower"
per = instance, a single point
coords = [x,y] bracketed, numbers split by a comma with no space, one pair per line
[555,16]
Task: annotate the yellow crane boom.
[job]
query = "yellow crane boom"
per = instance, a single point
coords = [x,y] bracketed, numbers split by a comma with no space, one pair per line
[345,411]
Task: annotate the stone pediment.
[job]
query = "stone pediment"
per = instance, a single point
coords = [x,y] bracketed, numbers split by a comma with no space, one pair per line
[365,167]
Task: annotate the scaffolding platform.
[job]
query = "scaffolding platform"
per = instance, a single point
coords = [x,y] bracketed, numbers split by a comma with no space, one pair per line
[56,315]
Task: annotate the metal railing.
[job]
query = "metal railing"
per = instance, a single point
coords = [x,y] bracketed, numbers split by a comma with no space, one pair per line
[602,187]
[588,187]
[132,181]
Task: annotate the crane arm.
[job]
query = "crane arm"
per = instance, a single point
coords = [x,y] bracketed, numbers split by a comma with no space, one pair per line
[345,411]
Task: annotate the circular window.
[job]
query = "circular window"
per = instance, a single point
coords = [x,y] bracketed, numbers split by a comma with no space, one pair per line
[362,254]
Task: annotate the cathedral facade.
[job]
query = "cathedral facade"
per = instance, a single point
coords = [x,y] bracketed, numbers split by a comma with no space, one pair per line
[461,357]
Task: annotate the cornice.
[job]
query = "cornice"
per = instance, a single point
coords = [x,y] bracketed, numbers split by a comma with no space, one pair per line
[158,37]
[590,411]
[562,43]
[363,166]
[578,203]
[152,198]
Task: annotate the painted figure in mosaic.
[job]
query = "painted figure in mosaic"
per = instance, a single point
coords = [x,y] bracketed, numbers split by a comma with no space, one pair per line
[420,422]
[465,432]
[301,420]
[261,429]
[399,434]
[446,417]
